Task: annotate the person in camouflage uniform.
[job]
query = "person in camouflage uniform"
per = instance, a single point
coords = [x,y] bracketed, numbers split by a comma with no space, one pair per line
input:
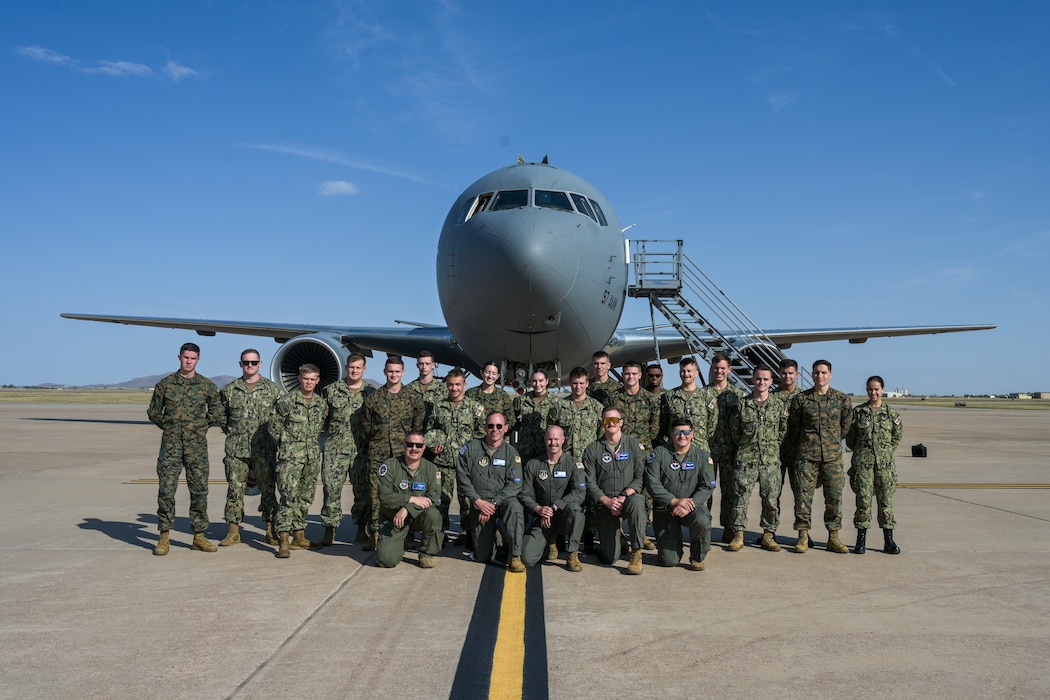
[491,396]
[873,436]
[580,416]
[248,404]
[654,378]
[386,417]
[430,388]
[489,475]
[601,384]
[455,421]
[689,401]
[296,429]
[533,413]
[681,478]
[552,490]
[818,420]
[785,393]
[343,453]
[184,405]
[409,490]
[726,397]
[757,428]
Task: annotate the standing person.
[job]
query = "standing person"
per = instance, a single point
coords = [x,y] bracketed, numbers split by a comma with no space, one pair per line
[491,396]
[681,478]
[489,475]
[601,384]
[818,420]
[689,401]
[455,421]
[533,413]
[386,417]
[343,451]
[654,377]
[874,436]
[184,405]
[296,428]
[726,397]
[580,416]
[248,403]
[757,429]
[552,490]
[409,490]
[615,470]
[786,392]
[429,387]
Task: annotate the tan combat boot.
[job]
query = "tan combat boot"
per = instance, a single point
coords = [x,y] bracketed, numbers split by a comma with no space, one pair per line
[201,543]
[233,537]
[572,562]
[552,552]
[329,536]
[695,565]
[768,543]
[835,544]
[163,544]
[426,561]
[648,544]
[271,536]
[299,541]
[515,566]
[737,543]
[284,547]
[635,567]
[803,541]
[727,535]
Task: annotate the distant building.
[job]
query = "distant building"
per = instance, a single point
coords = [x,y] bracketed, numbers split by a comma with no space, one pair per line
[1020,396]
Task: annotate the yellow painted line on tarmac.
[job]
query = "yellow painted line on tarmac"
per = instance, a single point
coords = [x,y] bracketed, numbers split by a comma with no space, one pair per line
[508,657]
[973,486]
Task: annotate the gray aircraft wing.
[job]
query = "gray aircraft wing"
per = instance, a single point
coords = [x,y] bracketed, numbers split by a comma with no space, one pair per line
[409,340]
[638,344]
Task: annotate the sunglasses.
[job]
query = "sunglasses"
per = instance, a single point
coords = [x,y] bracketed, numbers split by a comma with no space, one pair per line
[611,421]
[250,363]
[682,431]
[654,376]
[417,445]
[493,426]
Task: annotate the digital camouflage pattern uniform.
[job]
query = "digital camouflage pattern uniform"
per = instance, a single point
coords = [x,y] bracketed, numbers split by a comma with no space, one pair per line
[430,393]
[788,450]
[343,454]
[599,391]
[499,400]
[610,470]
[561,486]
[874,436]
[249,446]
[184,409]
[582,424]
[641,414]
[386,418]
[296,428]
[700,408]
[532,418]
[817,424]
[669,476]
[494,476]
[722,451]
[453,425]
[757,431]
[396,483]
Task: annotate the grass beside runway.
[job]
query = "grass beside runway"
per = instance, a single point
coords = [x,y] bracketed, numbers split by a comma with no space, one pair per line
[76,396]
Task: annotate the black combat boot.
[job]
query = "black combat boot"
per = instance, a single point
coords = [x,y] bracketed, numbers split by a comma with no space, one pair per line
[862,541]
[890,547]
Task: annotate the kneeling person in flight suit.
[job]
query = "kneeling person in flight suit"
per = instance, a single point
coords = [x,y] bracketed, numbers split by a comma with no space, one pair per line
[409,489]
[680,476]
[552,490]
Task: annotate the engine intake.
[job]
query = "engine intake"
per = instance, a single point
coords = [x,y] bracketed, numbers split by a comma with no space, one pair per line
[322,349]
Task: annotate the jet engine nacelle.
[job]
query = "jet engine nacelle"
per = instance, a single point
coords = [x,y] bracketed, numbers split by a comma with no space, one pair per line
[757,353]
[326,350]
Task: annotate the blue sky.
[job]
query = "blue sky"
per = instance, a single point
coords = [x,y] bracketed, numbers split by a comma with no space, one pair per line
[827,163]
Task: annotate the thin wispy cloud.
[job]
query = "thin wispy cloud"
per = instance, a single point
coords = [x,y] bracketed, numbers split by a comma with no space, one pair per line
[115,69]
[335,158]
[933,67]
[779,102]
[1036,245]
[337,188]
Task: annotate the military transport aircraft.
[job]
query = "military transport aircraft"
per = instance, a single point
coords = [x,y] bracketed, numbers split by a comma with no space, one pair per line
[532,271]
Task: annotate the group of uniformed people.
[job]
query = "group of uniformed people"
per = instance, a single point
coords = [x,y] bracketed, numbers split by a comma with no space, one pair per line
[571,471]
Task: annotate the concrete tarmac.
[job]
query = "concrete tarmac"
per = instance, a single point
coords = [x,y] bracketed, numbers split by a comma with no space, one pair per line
[86,611]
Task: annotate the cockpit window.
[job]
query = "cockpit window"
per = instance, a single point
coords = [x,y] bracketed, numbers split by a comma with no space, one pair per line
[599,213]
[582,206]
[511,199]
[473,206]
[553,200]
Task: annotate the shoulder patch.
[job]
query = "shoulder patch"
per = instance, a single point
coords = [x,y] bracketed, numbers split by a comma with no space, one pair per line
[403,485]
[650,458]
[382,470]
[517,459]
[579,465]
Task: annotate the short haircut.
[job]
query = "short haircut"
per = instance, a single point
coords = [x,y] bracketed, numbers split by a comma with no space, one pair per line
[577,372]
[250,351]
[354,357]
[613,407]
[455,372]
[681,420]
[875,378]
[425,353]
[763,368]
[393,360]
[687,361]
[600,355]
[552,426]
[501,414]
[655,365]
[420,433]
[720,357]
[309,369]
[821,362]
[632,363]
[788,362]
[192,347]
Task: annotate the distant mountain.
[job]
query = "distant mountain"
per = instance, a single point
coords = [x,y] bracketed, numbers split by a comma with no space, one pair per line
[150,381]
